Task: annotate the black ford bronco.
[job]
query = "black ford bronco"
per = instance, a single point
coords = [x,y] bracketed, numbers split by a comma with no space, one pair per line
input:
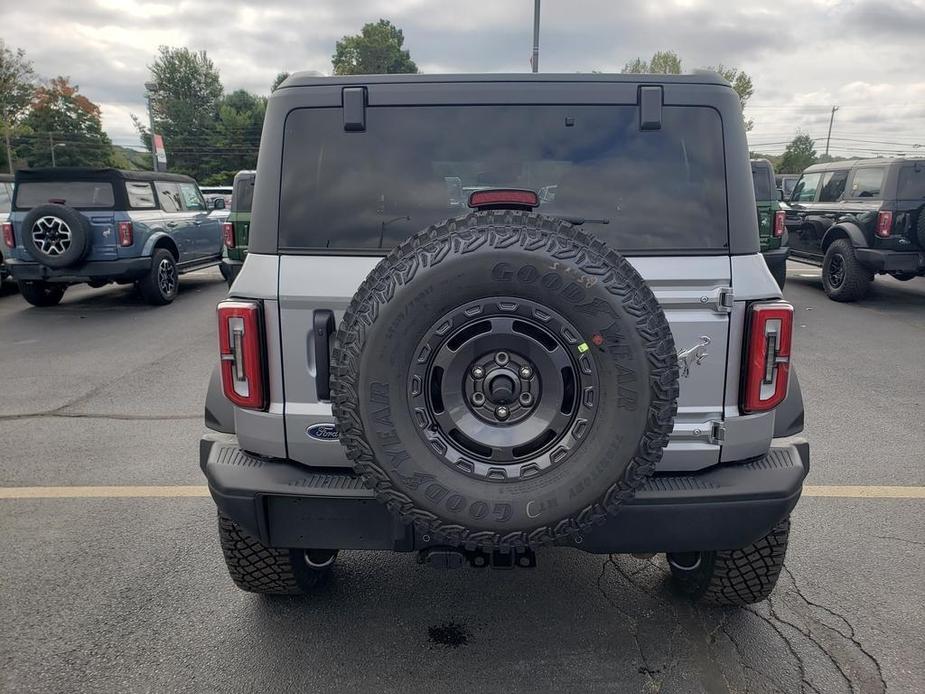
[857,219]
[482,315]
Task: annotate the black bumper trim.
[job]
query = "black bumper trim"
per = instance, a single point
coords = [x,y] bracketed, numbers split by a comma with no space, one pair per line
[891,261]
[124,269]
[286,504]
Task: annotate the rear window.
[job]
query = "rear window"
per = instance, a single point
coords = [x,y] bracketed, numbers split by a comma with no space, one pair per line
[661,190]
[243,196]
[79,194]
[911,184]
[6,196]
[762,179]
[867,183]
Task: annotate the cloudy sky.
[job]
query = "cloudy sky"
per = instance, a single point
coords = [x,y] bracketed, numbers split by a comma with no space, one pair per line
[804,55]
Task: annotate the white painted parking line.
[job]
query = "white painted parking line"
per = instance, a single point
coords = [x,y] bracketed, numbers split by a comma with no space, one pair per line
[137,492]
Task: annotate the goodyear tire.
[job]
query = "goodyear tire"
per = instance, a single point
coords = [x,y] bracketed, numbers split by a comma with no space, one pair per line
[55,235]
[504,380]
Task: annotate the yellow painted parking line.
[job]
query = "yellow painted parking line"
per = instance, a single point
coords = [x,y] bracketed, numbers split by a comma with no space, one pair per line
[137,492]
[862,492]
[108,492]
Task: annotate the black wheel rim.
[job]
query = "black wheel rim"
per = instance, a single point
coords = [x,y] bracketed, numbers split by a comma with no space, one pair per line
[836,271]
[166,277]
[503,388]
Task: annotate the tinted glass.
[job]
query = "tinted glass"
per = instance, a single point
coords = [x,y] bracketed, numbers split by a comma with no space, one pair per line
[911,184]
[867,183]
[6,196]
[788,185]
[414,166]
[833,186]
[243,196]
[79,194]
[169,196]
[762,180]
[140,195]
[805,189]
[192,200]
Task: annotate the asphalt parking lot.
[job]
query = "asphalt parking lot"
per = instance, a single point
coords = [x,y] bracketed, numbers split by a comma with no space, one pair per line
[131,594]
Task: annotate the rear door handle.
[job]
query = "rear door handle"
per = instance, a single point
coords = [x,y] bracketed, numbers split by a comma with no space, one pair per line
[171,224]
[322,329]
[197,223]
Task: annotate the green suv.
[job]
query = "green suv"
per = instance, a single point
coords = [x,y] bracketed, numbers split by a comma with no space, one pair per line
[770,220]
[237,227]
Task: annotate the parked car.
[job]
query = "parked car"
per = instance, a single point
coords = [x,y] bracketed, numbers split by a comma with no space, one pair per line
[785,183]
[859,218]
[236,227]
[213,193]
[608,370]
[770,220]
[72,225]
[6,197]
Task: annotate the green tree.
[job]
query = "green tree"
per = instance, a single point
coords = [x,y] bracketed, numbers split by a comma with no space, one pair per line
[376,50]
[800,153]
[17,85]
[184,105]
[668,63]
[280,78]
[64,128]
[237,133]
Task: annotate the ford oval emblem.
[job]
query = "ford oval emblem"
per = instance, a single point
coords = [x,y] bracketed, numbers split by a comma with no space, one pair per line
[323,431]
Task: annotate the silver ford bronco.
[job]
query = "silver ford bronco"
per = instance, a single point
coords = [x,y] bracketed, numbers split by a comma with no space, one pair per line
[485,314]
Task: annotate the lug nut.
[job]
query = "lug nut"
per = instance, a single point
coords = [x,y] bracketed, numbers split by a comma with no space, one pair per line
[478,372]
[478,399]
[502,412]
[502,358]
[526,372]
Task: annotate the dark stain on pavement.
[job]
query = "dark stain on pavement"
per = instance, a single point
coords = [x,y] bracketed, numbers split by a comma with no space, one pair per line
[449,634]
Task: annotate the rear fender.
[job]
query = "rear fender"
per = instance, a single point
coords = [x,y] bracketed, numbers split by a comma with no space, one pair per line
[844,230]
[161,240]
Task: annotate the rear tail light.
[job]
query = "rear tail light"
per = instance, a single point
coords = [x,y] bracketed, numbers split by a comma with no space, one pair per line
[126,234]
[779,223]
[504,196]
[240,344]
[767,369]
[885,225]
[8,237]
[228,234]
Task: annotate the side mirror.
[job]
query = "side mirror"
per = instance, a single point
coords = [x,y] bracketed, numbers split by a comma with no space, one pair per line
[218,203]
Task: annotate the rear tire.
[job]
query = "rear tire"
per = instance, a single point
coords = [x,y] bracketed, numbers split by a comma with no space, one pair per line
[843,276]
[256,568]
[42,294]
[736,576]
[159,286]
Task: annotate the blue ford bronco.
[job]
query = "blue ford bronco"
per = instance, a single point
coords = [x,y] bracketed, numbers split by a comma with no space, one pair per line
[485,314]
[72,225]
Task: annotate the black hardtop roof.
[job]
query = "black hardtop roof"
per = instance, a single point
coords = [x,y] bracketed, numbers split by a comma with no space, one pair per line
[851,163]
[762,161]
[312,78]
[85,173]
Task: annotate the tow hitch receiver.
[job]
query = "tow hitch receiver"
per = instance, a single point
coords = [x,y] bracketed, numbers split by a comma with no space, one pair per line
[455,557]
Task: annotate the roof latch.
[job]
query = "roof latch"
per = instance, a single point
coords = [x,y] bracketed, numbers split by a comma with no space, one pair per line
[650,108]
[354,99]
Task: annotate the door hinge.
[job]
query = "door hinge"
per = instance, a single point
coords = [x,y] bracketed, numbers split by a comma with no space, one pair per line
[724,300]
[717,432]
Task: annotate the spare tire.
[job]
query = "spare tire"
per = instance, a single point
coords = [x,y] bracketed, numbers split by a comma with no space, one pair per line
[56,235]
[504,380]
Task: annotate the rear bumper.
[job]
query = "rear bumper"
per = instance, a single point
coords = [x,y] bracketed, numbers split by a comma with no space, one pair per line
[286,504]
[776,257]
[891,261]
[122,270]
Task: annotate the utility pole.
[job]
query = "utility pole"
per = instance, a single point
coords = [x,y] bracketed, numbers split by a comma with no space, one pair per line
[829,136]
[535,59]
[51,146]
[149,88]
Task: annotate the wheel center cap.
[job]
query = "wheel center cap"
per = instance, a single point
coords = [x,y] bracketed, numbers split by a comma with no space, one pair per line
[502,389]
